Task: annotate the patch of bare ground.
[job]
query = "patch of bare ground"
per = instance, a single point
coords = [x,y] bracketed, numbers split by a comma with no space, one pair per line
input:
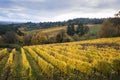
[115,46]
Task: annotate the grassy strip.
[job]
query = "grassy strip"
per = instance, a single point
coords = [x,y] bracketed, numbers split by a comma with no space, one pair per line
[36,71]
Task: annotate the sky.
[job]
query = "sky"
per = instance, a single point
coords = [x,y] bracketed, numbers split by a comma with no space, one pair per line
[56,10]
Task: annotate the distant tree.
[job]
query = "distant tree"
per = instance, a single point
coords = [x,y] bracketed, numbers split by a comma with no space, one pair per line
[63,37]
[10,28]
[81,29]
[39,38]
[68,30]
[116,24]
[71,29]
[117,14]
[106,29]
[10,37]
[27,39]
[1,39]
[110,28]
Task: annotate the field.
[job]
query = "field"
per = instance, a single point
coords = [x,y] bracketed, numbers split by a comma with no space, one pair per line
[93,32]
[97,59]
[48,31]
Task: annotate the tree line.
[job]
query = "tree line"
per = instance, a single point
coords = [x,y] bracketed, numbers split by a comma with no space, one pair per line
[13,35]
[31,26]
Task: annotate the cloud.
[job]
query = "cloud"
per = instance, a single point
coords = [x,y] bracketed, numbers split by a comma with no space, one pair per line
[56,10]
[27,0]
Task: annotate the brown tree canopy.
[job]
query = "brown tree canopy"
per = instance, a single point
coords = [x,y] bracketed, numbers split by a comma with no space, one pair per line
[110,28]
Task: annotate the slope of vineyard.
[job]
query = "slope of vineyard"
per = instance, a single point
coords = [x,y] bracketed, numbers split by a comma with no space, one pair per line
[97,59]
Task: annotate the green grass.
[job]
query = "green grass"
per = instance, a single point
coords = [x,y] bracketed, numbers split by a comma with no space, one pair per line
[31,31]
[14,72]
[36,71]
[94,31]
[54,29]
[18,67]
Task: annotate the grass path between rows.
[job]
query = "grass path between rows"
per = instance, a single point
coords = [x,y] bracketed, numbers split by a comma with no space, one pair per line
[36,71]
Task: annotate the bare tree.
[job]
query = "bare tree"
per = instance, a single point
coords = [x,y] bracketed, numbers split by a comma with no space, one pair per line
[117,14]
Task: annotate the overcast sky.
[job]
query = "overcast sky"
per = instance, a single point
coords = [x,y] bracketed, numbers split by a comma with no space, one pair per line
[56,10]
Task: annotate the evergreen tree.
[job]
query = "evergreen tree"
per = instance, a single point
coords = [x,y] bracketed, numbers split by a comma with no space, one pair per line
[68,30]
[71,30]
[81,29]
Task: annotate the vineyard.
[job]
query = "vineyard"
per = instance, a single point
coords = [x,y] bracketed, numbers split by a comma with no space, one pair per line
[97,59]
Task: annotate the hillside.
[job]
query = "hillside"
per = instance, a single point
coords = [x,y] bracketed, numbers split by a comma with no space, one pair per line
[97,59]
[48,30]
[11,34]
[93,32]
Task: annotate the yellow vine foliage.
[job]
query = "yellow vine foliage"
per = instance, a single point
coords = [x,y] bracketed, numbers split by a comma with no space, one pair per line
[88,57]
[26,66]
[59,64]
[11,58]
[3,52]
[45,66]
